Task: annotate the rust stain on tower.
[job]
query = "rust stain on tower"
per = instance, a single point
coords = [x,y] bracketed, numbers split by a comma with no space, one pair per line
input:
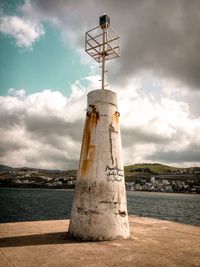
[116,119]
[88,152]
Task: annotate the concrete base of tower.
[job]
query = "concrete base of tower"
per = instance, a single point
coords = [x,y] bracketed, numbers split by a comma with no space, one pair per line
[99,213]
[99,209]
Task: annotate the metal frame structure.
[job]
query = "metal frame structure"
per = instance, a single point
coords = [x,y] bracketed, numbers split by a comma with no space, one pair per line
[102,44]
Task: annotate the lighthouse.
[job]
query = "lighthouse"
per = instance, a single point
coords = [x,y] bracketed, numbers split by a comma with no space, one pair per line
[99,210]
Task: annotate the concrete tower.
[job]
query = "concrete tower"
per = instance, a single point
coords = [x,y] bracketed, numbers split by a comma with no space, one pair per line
[99,210]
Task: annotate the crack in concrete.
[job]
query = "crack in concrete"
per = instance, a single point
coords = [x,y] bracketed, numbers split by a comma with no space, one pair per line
[97,152]
[111,130]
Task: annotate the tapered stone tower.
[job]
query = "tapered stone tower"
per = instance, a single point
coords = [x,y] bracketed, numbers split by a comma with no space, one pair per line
[99,210]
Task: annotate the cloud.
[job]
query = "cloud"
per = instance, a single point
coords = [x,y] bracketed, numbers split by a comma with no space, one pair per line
[156,125]
[25,32]
[157,80]
[45,129]
[190,153]
[158,36]
[162,37]
[136,135]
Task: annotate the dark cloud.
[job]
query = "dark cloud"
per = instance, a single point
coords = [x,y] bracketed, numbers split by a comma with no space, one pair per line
[45,127]
[189,154]
[133,136]
[11,118]
[9,145]
[163,36]
[53,131]
[51,159]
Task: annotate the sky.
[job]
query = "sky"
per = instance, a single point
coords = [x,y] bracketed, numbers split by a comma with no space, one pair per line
[45,76]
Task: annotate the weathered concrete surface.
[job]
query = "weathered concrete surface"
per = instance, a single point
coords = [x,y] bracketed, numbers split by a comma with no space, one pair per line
[152,243]
[99,210]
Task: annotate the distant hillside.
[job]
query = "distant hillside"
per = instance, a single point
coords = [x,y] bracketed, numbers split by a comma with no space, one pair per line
[4,167]
[40,171]
[153,168]
[138,177]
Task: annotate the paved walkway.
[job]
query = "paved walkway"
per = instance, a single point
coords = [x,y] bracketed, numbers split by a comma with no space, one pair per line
[153,243]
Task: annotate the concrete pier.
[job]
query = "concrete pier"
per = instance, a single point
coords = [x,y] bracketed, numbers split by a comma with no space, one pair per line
[99,209]
[152,243]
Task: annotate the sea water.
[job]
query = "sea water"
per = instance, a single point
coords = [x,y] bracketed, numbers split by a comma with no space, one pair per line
[25,204]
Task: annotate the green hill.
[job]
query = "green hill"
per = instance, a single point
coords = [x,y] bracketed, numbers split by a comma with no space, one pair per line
[151,168]
[4,167]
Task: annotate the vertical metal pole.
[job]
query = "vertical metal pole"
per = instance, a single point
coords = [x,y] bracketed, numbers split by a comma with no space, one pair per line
[103,58]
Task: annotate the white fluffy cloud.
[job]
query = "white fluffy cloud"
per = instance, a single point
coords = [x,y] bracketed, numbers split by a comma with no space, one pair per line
[25,32]
[45,129]
[158,125]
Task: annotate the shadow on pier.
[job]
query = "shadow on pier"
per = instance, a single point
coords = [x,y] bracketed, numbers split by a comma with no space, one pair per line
[37,239]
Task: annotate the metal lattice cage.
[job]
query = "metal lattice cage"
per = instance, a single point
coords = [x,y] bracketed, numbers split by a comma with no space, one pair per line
[94,44]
